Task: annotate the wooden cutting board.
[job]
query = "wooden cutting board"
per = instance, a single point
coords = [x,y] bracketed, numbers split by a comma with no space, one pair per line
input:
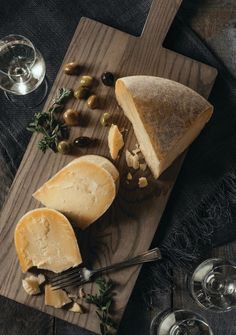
[129,226]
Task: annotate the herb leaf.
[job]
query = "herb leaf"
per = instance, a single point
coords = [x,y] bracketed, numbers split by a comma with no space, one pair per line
[103,301]
[49,125]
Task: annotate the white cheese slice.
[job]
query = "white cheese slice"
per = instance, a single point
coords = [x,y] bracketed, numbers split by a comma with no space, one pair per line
[44,238]
[83,190]
[166,116]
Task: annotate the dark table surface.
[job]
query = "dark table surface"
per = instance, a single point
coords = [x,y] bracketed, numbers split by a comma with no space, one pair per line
[215,22]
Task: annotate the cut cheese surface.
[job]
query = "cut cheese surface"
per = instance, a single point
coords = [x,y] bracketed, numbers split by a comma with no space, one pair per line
[83,190]
[115,141]
[44,238]
[56,298]
[166,116]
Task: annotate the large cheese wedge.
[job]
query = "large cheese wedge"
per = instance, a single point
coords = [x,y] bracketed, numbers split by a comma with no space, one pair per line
[83,190]
[166,116]
[44,238]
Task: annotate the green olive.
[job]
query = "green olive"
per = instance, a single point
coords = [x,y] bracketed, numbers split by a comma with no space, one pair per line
[71,68]
[93,102]
[64,147]
[82,92]
[86,81]
[105,118]
[71,117]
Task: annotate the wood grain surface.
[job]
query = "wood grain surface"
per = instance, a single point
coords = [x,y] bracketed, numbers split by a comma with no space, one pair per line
[128,227]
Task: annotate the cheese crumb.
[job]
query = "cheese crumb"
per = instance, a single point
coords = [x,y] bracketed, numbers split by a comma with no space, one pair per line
[31,285]
[143,166]
[82,294]
[142,182]
[132,160]
[76,308]
[129,176]
[129,158]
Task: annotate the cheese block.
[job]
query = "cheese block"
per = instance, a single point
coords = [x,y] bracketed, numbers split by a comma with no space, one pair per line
[44,238]
[56,298]
[115,141]
[166,116]
[83,190]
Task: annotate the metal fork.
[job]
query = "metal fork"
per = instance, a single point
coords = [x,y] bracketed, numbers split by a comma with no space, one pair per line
[79,276]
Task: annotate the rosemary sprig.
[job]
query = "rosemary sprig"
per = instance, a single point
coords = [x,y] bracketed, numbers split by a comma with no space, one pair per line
[103,301]
[48,123]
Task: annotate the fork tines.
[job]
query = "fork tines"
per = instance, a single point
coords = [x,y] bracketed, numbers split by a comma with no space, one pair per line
[71,278]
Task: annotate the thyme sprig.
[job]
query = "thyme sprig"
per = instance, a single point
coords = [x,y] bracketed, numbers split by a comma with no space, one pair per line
[48,123]
[103,301]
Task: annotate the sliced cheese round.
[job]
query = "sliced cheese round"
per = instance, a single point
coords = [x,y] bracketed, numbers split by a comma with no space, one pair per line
[45,238]
[83,190]
[166,116]
[103,163]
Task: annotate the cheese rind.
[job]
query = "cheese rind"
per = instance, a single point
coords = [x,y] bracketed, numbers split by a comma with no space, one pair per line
[83,190]
[44,238]
[166,116]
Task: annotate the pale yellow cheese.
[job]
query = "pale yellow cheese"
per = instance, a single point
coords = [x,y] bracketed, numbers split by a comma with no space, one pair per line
[166,117]
[31,285]
[56,298]
[76,308]
[132,160]
[142,182]
[115,141]
[83,190]
[44,238]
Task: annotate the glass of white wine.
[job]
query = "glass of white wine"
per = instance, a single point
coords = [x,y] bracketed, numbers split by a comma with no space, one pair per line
[22,71]
[213,285]
[179,322]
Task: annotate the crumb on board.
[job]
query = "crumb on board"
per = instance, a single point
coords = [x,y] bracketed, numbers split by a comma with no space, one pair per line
[129,176]
[142,182]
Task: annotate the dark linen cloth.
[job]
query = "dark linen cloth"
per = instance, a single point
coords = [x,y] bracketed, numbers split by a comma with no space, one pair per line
[202,208]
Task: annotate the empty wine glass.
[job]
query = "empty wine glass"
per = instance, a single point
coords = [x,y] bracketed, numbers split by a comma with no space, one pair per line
[179,322]
[213,285]
[22,71]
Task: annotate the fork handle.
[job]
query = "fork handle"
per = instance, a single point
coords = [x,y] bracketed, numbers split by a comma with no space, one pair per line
[148,256]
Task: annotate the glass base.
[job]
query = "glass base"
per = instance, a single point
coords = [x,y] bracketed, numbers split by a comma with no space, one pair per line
[30,100]
[179,322]
[213,285]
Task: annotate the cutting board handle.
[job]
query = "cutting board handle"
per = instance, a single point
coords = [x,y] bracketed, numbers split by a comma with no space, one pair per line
[158,23]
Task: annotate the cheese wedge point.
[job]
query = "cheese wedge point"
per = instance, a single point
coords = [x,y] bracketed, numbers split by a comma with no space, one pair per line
[83,190]
[166,116]
[44,238]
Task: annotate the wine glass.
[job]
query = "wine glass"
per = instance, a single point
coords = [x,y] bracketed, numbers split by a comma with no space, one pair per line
[22,71]
[213,285]
[179,322]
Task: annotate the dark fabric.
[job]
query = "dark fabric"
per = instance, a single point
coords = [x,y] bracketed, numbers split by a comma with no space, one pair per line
[201,210]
